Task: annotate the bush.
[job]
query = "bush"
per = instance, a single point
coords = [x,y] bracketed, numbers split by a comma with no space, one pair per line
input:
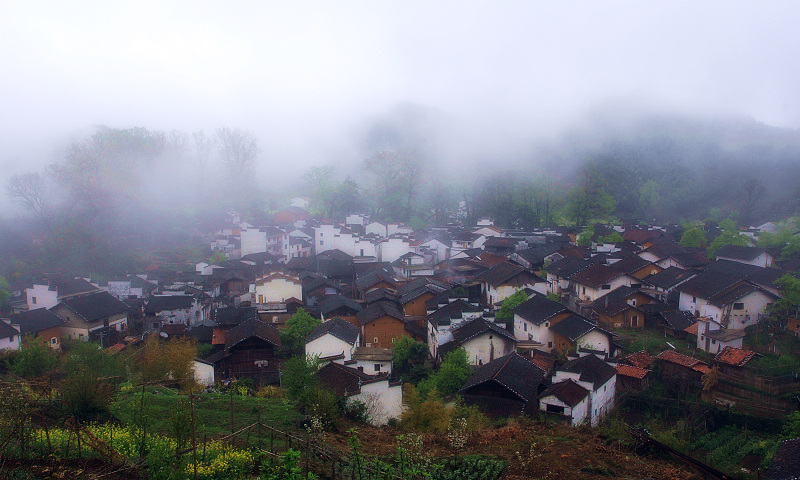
[426,412]
[270,391]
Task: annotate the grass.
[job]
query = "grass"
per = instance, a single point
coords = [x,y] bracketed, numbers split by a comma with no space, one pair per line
[212,411]
[653,342]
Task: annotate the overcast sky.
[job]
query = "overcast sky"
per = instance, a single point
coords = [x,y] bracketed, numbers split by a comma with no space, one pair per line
[304,76]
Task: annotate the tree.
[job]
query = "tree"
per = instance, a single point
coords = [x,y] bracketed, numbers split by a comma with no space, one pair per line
[506,311]
[614,237]
[34,359]
[30,191]
[730,236]
[409,353]
[5,295]
[648,198]
[397,173]
[586,236]
[238,150]
[589,199]
[321,178]
[788,304]
[169,360]
[91,378]
[753,192]
[217,257]
[694,237]
[454,371]
[297,329]
[426,412]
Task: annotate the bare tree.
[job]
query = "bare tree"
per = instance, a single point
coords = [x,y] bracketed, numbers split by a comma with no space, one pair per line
[29,190]
[238,150]
[203,148]
[753,192]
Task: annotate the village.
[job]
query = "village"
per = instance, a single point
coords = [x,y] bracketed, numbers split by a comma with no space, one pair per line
[565,350]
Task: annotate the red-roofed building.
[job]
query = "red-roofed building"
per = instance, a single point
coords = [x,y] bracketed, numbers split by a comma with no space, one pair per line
[681,369]
[632,379]
[640,359]
[733,360]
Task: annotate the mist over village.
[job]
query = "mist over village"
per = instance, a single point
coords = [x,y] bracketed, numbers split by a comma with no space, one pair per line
[362,241]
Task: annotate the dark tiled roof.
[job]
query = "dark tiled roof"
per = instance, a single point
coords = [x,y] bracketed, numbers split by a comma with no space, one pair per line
[573,327]
[679,320]
[708,284]
[339,328]
[346,380]
[95,306]
[380,294]
[514,372]
[234,315]
[596,276]
[591,369]
[631,264]
[616,301]
[567,391]
[669,278]
[252,328]
[690,259]
[335,302]
[764,276]
[419,283]
[736,293]
[377,310]
[535,255]
[7,331]
[451,311]
[478,327]
[739,252]
[72,286]
[539,308]
[568,266]
[374,277]
[313,283]
[162,303]
[502,273]
[36,320]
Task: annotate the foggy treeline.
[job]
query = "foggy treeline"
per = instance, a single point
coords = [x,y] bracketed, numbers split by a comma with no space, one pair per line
[121,195]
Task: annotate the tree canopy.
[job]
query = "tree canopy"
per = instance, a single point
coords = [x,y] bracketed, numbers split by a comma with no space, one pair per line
[297,329]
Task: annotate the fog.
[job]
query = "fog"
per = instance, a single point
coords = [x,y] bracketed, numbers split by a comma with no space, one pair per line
[314,81]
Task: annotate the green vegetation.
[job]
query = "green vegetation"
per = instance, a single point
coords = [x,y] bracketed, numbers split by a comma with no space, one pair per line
[506,311]
[34,358]
[297,329]
[409,359]
[452,373]
[693,237]
[730,236]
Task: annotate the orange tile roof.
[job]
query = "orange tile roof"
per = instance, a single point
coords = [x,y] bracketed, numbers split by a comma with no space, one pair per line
[692,329]
[674,357]
[734,356]
[640,359]
[631,371]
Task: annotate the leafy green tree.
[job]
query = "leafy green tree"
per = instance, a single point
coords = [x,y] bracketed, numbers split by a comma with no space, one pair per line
[614,237]
[586,236]
[730,236]
[217,257]
[321,178]
[506,311]
[589,199]
[788,304]
[454,371]
[297,329]
[784,239]
[408,354]
[648,198]
[5,295]
[693,237]
[34,358]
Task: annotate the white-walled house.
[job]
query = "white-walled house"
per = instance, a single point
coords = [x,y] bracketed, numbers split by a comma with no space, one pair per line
[734,303]
[382,398]
[532,320]
[748,255]
[595,376]
[276,287]
[483,341]
[713,339]
[49,293]
[597,280]
[504,279]
[9,337]
[376,228]
[332,339]
[566,399]
[393,248]
[203,372]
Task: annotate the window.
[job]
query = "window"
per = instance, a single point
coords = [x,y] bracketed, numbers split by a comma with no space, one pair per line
[635,321]
[549,344]
[604,287]
[54,340]
[713,341]
[738,306]
[377,367]
[524,327]
[555,409]
[375,340]
[33,300]
[546,324]
[636,285]
[694,299]
[321,242]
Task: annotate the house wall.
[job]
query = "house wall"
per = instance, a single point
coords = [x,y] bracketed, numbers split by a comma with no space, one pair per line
[441,250]
[328,346]
[375,228]
[417,306]
[603,400]
[40,296]
[374,367]
[393,248]
[596,341]
[763,260]
[382,331]
[585,292]
[754,304]
[10,343]
[52,336]
[203,373]
[253,240]
[696,305]
[577,414]
[277,290]
[119,289]
[485,348]
[384,401]
[525,330]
